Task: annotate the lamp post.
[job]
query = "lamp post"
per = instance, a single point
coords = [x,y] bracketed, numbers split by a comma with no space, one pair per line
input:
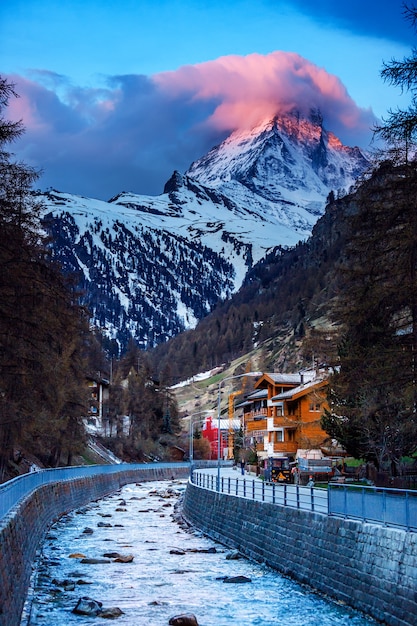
[250,374]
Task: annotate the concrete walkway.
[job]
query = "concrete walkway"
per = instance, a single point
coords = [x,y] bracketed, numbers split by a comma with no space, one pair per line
[250,486]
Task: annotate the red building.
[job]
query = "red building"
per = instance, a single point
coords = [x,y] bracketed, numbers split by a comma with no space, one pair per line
[209,432]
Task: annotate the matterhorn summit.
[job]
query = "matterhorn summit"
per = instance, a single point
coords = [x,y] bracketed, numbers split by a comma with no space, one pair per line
[289,159]
[152,266]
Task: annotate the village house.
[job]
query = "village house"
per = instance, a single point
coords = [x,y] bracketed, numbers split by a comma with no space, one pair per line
[281,417]
[97,418]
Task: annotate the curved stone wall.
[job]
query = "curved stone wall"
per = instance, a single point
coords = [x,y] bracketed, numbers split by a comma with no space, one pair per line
[371,568]
[25,526]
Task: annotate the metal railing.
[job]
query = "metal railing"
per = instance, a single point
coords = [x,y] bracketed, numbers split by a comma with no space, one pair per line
[295,496]
[386,506]
[18,488]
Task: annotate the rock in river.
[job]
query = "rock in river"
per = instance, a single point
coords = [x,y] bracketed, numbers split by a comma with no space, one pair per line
[87,606]
[183,620]
[92,608]
[235,579]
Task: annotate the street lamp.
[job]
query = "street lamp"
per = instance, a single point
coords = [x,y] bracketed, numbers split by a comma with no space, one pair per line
[250,374]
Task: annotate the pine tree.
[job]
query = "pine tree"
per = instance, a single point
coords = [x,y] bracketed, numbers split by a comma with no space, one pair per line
[373,397]
[43,331]
[399,130]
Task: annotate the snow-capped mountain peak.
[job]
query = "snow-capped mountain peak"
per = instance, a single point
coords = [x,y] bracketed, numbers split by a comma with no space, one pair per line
[287,159]
[152,266]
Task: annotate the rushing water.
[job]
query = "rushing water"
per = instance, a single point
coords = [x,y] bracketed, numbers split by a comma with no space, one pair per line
[159,583]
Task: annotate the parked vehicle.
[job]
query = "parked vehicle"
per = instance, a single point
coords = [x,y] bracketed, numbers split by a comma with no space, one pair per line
[276,469]
[322,470]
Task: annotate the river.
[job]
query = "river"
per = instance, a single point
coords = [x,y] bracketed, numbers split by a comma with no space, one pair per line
[174,571]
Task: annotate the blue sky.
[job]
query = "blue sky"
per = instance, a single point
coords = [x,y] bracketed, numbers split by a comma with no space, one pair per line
[115,95]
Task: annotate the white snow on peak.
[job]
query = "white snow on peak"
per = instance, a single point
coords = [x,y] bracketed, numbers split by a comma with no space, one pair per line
[154,265]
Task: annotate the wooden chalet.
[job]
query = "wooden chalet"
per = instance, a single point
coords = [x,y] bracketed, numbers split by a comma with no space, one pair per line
[282,415]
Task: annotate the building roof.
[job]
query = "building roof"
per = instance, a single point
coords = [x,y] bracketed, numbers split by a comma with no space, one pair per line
[287,379]
[225,424]
[242,404]
[259,393]
[291,394]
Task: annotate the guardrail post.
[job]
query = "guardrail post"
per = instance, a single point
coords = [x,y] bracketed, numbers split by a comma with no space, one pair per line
[407,511]
[273,493]
[244,488]
[384,507]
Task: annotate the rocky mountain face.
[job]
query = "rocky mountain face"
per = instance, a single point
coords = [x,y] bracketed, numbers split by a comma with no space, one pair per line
[152,266]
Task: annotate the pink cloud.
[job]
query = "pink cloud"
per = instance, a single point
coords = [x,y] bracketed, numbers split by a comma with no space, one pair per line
[251,88]
[131,134]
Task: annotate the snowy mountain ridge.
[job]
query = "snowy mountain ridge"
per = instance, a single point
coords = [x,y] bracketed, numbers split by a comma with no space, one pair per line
[152,266]
[287,159]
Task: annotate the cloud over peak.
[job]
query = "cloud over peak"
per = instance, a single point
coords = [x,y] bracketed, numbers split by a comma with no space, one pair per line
[131,134]
[246,90]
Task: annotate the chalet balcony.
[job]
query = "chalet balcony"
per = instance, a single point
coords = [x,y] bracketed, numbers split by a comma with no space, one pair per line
[282,421]
[257,414]
[256,425]
[257,437]
[283,448]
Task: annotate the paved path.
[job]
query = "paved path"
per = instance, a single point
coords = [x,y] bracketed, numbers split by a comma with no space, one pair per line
[251,486]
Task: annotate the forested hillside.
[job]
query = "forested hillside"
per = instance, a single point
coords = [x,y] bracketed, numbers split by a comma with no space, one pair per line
[48,352]
[43,330]
[282,309]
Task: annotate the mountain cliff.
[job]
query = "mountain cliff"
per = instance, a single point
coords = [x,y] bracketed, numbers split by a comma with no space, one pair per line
[152,266]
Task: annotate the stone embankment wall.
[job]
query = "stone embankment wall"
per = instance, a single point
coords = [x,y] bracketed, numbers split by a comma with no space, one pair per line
[25,526]
[369,567]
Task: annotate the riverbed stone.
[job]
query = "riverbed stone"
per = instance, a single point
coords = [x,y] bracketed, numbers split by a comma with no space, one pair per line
[124,558]
[234,555]
[68,585]
[110,612]
[186,619]
[87,606]
[203,550]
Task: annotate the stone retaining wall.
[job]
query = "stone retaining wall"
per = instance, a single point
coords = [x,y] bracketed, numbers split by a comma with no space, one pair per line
[369,567]
[25,526]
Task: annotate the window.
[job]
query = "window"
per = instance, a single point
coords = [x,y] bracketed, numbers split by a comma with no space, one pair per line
[291,435]
[315,406]
[276,436]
